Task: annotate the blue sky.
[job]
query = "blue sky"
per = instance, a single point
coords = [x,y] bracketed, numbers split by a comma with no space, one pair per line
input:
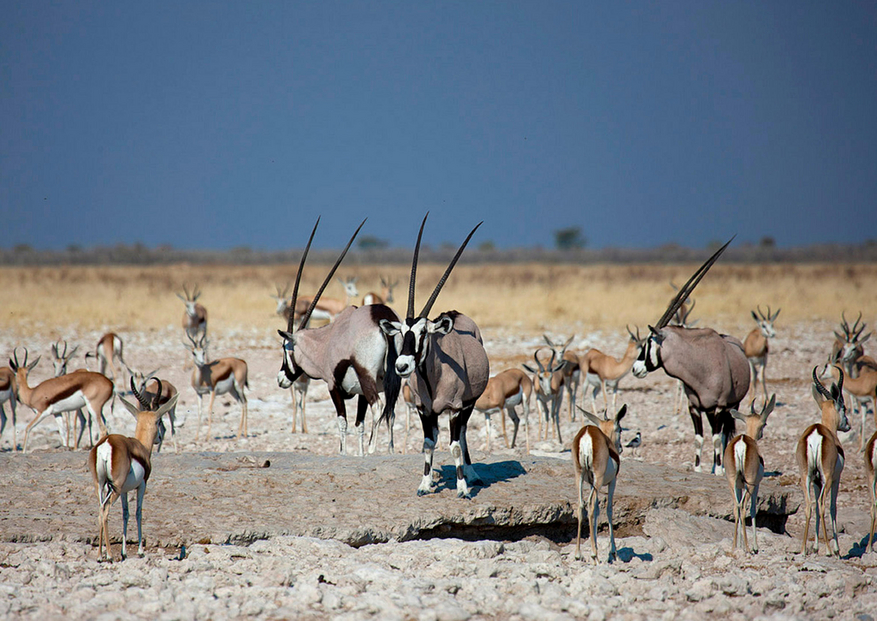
[218,124]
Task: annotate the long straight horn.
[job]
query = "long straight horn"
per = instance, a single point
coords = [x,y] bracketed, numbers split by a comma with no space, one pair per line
[441,283]
[688,287]
[307,316]
[291,324]
[412,282]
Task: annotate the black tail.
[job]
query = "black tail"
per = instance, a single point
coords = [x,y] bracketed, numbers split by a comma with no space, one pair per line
[392,386]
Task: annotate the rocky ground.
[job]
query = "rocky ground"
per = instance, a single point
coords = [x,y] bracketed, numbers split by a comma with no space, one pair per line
[228,537]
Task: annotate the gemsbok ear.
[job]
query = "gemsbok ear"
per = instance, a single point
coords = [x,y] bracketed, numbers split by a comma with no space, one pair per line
[390,328]
[443,326]
[285,334]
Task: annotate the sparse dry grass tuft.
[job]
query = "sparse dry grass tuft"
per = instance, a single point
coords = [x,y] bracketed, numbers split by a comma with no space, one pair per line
[530,297]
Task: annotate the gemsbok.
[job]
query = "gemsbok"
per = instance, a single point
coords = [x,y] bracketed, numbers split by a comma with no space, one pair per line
[712,366]
[606,371]
[548,385]
[195,316]
[57,395]
[744,468]
[820,459]
[448,371]
[756,346]
[351,354]
[504,391]
[7,394]
[596,454]
[870,463]
[109,352]
[386,295]
[219,377]
[121,464]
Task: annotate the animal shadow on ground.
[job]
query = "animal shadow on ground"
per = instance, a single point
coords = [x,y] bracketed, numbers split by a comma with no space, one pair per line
[625,555]
[497,472]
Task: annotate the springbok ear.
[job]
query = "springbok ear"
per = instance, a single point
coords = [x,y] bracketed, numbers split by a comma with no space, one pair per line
[621,413]
[589,416]
[775,315]
[817,396]
[754,316]
[390,328]
[738,415]
[167,407]
[131,408]
[443,326]
[768,408]
[31,366]
[865,338]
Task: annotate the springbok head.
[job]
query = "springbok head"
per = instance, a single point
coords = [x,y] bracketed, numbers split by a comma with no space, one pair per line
[755,421]
[61,356]
[850,345]
[388,285]
[765,322]
[832,400]
[349,285]
[542,374]
[649,358]
[190,299]
[282,299]
[415,331]
[289,370]
[611,427]
[198,348]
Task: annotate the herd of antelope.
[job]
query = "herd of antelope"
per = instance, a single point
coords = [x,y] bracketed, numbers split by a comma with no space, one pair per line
[440,367]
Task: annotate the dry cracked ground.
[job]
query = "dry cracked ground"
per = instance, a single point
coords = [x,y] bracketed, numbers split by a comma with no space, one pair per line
[278,525]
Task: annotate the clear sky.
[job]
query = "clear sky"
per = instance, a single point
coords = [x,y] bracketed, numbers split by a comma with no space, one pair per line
[222,124]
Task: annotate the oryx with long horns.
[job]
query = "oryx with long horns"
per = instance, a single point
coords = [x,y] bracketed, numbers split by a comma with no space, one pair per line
[448,370]
[351,354]
[712,367]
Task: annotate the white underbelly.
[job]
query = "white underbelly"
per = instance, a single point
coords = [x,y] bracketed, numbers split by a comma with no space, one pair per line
[73,402]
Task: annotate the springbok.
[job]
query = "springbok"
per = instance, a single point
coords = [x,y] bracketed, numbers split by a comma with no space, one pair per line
[351,354]
[572,371]
[121,464]
[109,351]
[386,296]
[195,315]
[7,393]
[861,390]
[153,388]
[57,395]
[223,376]
[61,357]
[448,370]
[325,309]
[596,450]
[548,384]
[607,370]
[870,463]
[506,390]
[756,347]
[848,343]
[744,468]
[282,298]
[712,366]
[820,459]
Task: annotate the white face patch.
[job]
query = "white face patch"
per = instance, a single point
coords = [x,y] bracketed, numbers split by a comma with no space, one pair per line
[413,345]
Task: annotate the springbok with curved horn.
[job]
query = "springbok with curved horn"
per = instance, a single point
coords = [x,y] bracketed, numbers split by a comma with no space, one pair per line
[712,366]
[861,390]
[57,395]
[351,354]
[161,392]
[820,459]
[756,347]
[386,296]
[506,390]
[195,315]
[870,463]
[109,351]
[8,390]
[223,376]
[596,451]
[548,384]
[61,357]
[607,370]
[448,370]
[572,371]
[744,468]
[121,464]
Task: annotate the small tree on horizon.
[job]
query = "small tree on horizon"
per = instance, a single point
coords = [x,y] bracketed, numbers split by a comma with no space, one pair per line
[569,238]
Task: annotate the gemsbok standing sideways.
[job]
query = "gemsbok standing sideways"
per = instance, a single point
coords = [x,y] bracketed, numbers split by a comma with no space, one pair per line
[870,463]
[820,459]
[744,468]
[351,354]
[606,371]
[195,316]
[548,385]
[712,366]
[756,346]
[121,464]
[596,454]
[7,393]
[223,376]
[109,352]
[386,295]
[448,371]
[57,395]
[325,309]
[504,391]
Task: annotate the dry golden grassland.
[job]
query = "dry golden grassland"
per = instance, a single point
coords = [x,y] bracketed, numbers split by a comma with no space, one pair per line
[526,297]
